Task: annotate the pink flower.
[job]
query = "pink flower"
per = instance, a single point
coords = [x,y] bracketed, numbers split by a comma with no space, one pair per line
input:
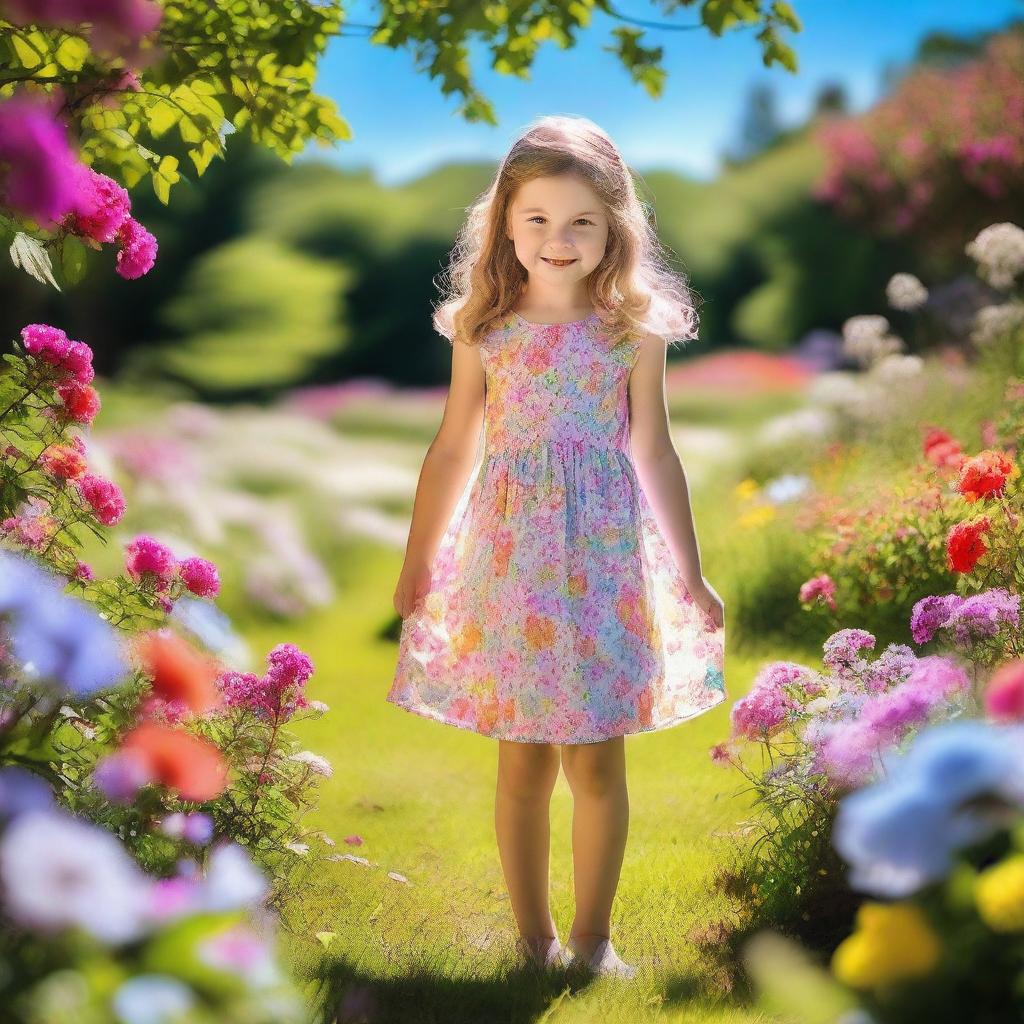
[145,554]
[200,576]
[114,26]
[39,165]
[820,586]
[78,362]
[1004,697]
[48,344]
[100,208]
[82,401]
[104,497]
[64,462]
[138,250]
[765,709]
[82,571]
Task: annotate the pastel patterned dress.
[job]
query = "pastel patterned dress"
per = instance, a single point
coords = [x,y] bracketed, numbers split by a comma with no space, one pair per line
[556,612]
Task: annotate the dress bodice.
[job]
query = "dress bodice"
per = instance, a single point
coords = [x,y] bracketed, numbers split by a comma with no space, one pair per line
[555,385]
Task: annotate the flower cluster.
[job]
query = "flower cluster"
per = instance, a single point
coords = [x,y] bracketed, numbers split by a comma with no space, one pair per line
[914,154]
[46,182]
[278,693]
[842,719]
[967,619]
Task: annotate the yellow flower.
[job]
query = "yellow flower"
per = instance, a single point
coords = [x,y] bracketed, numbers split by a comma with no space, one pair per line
[892,941]
[999,893]
[746,488]
[756,516]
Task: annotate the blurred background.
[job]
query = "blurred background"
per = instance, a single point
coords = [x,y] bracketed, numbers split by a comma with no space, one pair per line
[270,386]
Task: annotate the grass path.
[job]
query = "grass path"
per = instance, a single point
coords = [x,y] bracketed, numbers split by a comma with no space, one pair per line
[420,794]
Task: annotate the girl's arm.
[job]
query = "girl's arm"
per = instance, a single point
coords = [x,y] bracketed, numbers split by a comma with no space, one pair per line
[446,468]
[657,462]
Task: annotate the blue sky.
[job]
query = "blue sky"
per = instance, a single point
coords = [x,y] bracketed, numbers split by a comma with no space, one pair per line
[403,126]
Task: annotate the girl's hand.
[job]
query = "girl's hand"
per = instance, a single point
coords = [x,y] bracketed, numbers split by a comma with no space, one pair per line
[707,598]
[413,585]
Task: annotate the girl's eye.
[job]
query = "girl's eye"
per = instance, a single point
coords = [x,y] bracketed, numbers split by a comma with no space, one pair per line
[584,219]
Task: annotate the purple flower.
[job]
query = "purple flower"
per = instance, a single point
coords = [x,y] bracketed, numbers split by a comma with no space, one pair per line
[56,637]
[119,776]
[41,167]
[983,615]
[58,871]
[893,665]
[841,649]
[196,828]
[21,791]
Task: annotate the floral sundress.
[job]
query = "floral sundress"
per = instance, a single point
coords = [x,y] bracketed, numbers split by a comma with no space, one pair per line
[556,612]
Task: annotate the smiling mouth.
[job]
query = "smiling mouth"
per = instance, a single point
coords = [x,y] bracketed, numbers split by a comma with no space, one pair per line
[558,263]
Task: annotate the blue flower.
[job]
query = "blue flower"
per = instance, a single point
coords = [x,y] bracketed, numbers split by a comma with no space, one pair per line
[210,625]
[55,637]
[901,833]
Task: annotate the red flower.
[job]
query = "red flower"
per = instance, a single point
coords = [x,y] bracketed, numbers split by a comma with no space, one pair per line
[941,449]
[192,766]
[985,474]
[179,672]
[964,544]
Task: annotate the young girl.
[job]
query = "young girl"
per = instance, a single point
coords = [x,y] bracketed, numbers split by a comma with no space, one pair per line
[553,600]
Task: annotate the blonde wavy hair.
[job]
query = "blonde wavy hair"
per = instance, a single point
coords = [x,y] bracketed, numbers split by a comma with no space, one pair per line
[633,290]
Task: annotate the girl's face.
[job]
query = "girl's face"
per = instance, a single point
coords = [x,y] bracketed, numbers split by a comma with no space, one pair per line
[557,219]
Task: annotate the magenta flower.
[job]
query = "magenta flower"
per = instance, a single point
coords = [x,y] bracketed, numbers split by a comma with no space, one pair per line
[819,586]
[101,206]
[114,26]
[276,695]
[767,707]
[104,497]
[199,576]
[146,554]
[1004,696]
[38,164]
[138,250]
[48,344]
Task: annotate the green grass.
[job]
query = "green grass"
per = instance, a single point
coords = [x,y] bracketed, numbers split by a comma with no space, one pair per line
[421,796]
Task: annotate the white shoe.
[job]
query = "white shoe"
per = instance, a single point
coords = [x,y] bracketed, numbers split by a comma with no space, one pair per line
[604,960]
[552,956]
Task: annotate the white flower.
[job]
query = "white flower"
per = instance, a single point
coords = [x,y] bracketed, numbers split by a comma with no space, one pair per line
[232,880]
[868,325]
[317,764]
[796,426]
[999,253]
[319,705]
[992,322]
[892,369]
[57,870]
[151,999]
[787,487]
[906,292]
[866,340]
[300,848]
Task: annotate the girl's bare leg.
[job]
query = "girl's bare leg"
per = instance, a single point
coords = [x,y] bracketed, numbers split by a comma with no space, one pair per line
[596,773]
[527,773]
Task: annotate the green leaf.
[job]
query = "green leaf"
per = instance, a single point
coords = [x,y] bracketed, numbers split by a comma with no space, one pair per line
[164,177]
[73,260]
[31,256]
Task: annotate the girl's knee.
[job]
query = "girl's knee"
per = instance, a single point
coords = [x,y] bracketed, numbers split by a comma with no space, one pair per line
[526,770]
[594,769]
